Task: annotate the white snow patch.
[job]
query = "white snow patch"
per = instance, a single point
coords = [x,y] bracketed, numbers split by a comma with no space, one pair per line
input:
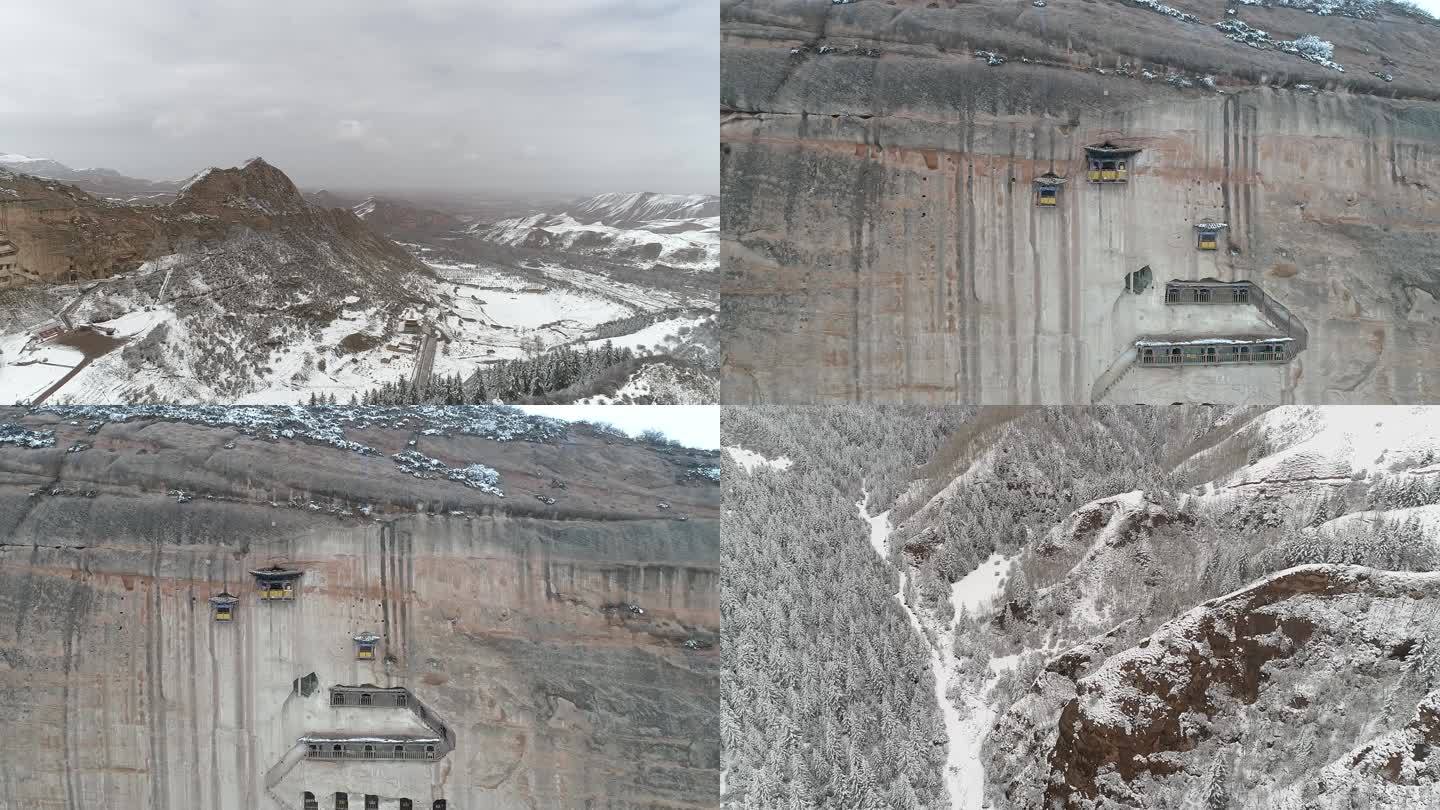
[654,336]
[27,373]
[140,322]
[751,460]
[1336,442]
[977,590]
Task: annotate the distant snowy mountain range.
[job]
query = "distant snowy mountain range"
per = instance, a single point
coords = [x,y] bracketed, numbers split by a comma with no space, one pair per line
[672,230]
[644,206]
[105,182]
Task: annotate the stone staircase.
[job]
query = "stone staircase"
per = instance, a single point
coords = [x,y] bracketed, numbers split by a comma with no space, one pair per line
[1118,370]
[280,770]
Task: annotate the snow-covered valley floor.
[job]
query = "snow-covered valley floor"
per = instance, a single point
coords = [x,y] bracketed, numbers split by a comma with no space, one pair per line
[482,313]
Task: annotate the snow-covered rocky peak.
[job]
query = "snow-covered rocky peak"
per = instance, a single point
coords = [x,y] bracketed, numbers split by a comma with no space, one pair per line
[1108,522]
[256,185]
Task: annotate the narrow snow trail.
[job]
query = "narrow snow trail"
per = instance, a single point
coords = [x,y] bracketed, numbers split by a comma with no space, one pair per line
[973,593]
[164,284]
[957,770]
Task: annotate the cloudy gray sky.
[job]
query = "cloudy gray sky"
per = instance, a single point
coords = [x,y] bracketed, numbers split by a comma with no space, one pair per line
[572,96]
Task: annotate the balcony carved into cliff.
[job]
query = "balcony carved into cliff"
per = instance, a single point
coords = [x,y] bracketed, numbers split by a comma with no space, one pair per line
[1197,349]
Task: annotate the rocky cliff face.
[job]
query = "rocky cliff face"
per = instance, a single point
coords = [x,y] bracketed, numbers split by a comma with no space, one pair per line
[1272,679]
[568,646]
[880,237]
[63,234]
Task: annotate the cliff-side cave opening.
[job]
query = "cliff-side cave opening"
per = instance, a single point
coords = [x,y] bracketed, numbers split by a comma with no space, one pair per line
[1138,281]
[307,685]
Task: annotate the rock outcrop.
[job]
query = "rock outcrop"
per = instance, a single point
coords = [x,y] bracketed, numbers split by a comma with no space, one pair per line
[65,234]
[881,237]
[569,642]
[1273,679]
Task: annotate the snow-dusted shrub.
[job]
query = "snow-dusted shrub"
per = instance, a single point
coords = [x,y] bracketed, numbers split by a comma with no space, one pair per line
[327,424]
[475,476]
[1168,11]
[22,437]
[1313,47]
[1309,47]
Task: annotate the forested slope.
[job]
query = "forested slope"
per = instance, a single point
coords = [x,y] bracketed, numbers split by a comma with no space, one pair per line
[1138,607]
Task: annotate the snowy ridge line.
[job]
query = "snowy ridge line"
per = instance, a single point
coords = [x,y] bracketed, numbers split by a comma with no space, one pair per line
[1386,582]
[1357,9]
[1351,577]
[1108,696]
[327,425]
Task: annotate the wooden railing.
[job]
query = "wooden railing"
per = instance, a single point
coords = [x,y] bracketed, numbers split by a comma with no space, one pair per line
[1210,354]
[379,753]
[1242,292]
